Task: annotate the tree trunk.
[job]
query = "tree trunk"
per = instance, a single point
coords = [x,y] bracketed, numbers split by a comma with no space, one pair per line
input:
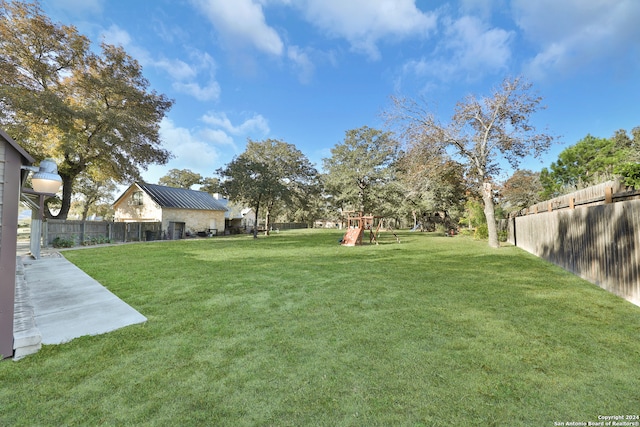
[267,221]
[490,214]
[88,202]
[67,191]
[255,225]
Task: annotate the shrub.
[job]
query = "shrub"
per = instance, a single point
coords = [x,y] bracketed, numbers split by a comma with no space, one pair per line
[482,232]
[96,240]
[441,229]
[466,231]
[61,242]
[631,174]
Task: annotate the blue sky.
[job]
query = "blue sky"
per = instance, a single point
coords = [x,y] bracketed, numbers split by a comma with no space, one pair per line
[306,71]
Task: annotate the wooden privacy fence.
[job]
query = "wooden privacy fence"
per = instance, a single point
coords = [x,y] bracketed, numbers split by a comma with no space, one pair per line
[91,231]
[596,237]
[289,225]
[607,192]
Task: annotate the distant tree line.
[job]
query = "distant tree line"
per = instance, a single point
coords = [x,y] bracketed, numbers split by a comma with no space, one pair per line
[95,114]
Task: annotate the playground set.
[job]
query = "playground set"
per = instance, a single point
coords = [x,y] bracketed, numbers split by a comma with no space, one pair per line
[357,223]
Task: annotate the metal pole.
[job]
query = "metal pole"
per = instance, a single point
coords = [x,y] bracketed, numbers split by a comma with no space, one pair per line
[36,228]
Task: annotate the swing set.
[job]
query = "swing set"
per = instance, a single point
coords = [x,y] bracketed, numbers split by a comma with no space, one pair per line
[357,223]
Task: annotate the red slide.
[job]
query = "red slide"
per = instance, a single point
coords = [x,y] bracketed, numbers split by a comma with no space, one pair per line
[353,237]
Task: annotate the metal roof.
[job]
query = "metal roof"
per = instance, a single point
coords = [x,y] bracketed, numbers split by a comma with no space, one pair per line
[180,198]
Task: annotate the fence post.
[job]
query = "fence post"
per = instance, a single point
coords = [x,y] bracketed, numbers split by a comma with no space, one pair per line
[45,233]
[608,195]
[572,203]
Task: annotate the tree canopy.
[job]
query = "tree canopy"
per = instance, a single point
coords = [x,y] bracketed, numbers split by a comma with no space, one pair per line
[360,172]
[88,111]
[431,182]
[181,178]
[521,190]
[210,185]
[92,194]
[481,131]
[591,161]
[270,174]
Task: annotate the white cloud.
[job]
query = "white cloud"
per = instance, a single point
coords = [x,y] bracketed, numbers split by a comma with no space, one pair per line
[116,36]
[242,22]
[469,49]
[167,31]
[195,78]
[176,68]
[197,152]
[218,137]
[256,124]
[572,34]
[476,47]
[207,149]
[483,8]
[189,77]
[187,148]
[209,92]
[364,23]
[302,63]
[547,21]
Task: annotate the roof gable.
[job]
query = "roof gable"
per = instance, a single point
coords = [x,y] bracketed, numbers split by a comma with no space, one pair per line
[181,198]
[177,198]
[16,147]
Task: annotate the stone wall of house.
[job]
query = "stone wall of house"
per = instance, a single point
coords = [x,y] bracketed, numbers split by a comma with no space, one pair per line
[147,211]
[195,220]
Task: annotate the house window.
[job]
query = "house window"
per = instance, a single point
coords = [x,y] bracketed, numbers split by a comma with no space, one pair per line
[136,198]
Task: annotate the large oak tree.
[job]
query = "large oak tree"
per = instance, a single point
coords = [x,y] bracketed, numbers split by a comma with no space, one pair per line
[86,110]
[270,174]
[482,131]
[181,178]
[360,174]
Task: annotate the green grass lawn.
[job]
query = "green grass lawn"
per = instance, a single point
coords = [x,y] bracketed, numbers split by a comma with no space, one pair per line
[296,330]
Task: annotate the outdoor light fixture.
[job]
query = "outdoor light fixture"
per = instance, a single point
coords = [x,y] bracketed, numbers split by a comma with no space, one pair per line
[45,180]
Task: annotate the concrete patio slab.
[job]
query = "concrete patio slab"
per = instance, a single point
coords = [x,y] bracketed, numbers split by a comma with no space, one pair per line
[68,303]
